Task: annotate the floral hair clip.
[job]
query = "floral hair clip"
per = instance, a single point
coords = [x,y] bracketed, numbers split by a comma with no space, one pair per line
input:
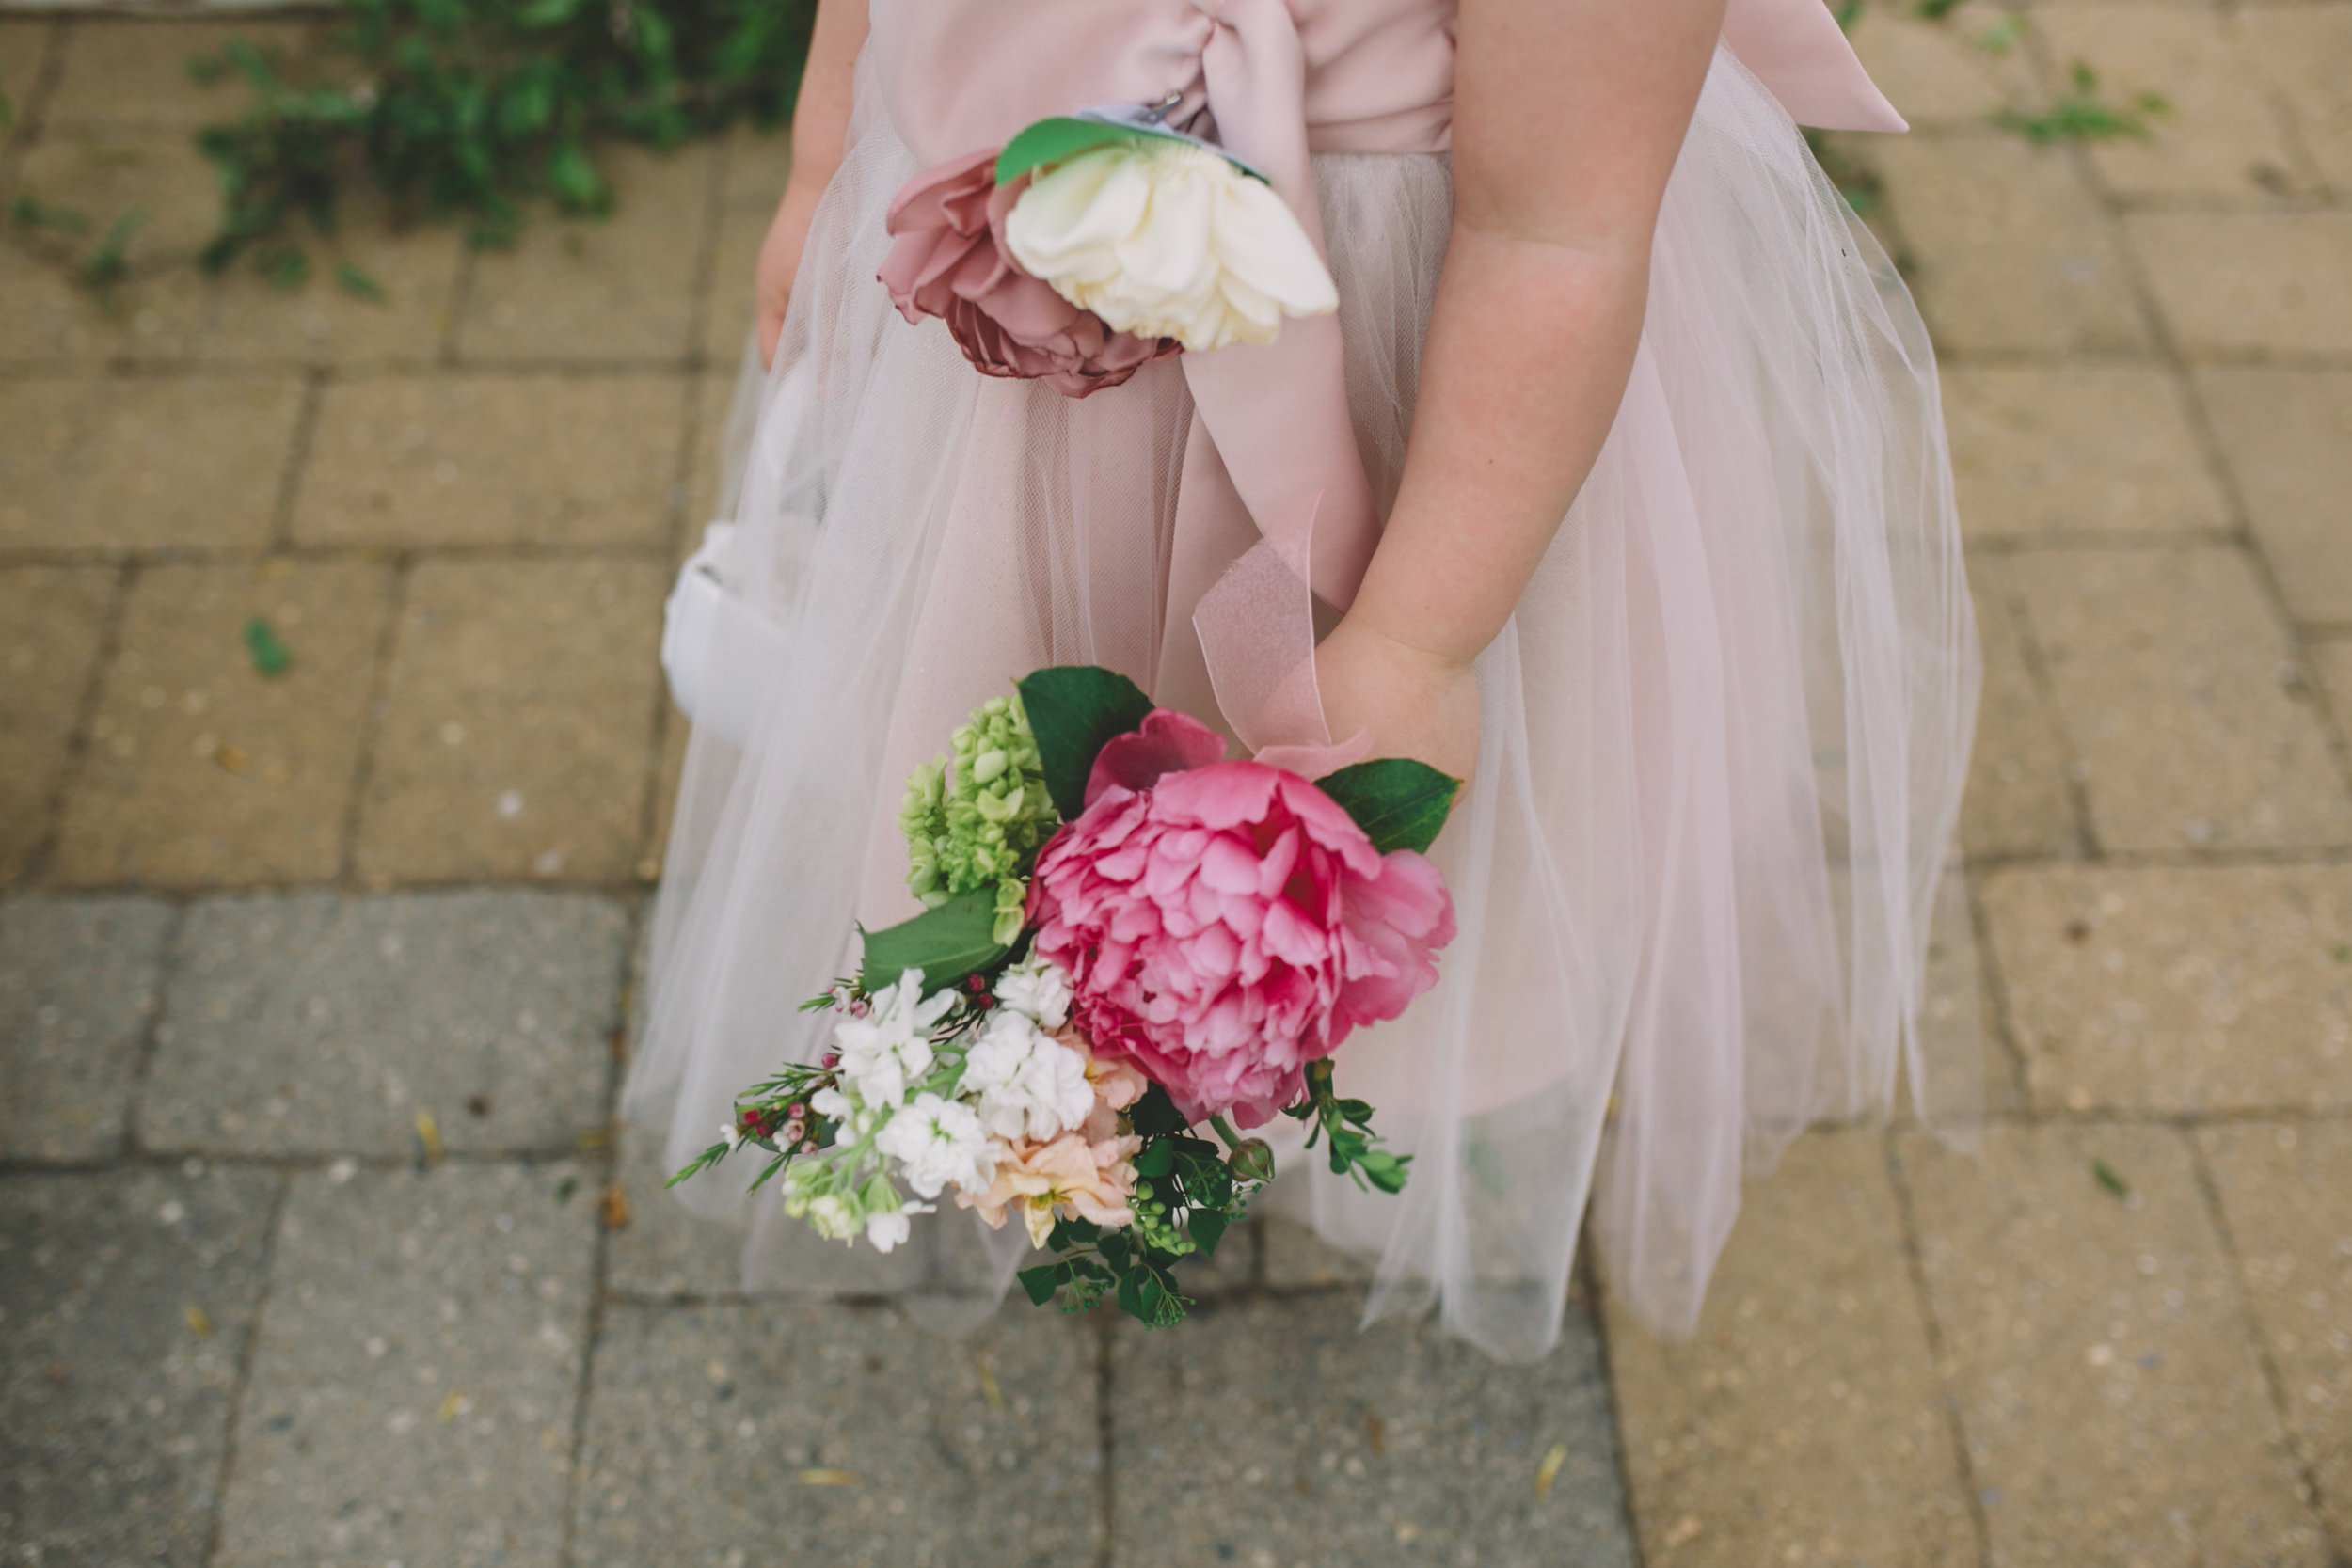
[1091,244]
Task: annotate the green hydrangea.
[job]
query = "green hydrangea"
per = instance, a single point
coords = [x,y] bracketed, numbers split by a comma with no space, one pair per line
[976,818]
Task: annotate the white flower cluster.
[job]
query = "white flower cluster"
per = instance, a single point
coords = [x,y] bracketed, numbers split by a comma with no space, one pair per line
[1017,1082]
[1168,239]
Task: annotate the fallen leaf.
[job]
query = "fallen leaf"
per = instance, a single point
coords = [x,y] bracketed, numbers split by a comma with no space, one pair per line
[2106,1176]
[989,1390]
[827,1478]
[452,1406]
[1548,1471]
[270,655]
[429,1134]
[230,759]
[614,1208]
[1376,1432]
[565,1188]
[198,1323]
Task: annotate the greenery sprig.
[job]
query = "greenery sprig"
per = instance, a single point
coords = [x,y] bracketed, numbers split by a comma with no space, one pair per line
[1355,1148]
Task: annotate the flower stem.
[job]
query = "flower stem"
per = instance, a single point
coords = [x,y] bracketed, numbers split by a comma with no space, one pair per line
[1225,1130]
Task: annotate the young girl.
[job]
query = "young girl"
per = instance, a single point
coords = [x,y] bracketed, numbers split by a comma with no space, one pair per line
[1620,481]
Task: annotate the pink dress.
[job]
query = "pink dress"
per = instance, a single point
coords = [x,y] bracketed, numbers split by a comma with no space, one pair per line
[1724,737]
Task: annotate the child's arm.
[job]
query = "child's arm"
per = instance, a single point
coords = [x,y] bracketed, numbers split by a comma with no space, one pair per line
[1568,118]
[821,124]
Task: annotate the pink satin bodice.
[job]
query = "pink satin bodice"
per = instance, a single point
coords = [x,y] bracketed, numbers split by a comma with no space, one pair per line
[1378,74]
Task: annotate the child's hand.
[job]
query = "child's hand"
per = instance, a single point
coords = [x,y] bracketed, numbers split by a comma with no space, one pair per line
[1410,702]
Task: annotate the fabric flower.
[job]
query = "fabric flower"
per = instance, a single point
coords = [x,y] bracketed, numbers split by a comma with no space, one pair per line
[1031,1085]
[1225,925]
[889,1048]
[950,260]
[939,1143]
[1067,1175]
[1166,239]
[1036,989]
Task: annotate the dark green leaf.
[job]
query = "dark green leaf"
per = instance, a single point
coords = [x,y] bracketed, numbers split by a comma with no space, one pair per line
[1155,1114]
[271,657]
[1116,1249]
[107,259]
[1156,1159]
[1073,1232]
[2110,1182]
[1073,709]
[1041,1282]
[1207,1228]
[29,214]
[948,943]
[1399,803]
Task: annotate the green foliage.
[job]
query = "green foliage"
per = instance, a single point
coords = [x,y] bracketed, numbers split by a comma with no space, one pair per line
[2081,115]
[476,109]
[976,818]
[1399,803]
[1355,1149]
[948,943]
[271,657]
[1074,710]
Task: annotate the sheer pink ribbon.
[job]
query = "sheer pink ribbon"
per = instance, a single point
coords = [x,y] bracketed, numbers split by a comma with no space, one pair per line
[1274,497]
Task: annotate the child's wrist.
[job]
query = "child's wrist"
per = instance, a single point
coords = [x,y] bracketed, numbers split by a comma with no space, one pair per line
[1440,657]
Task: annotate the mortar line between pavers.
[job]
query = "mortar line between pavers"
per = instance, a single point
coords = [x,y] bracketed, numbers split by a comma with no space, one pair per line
[2274,1381]
[649,848]
[1991,979]
[2283,119]
[314,1163]
[182,895]
[70,769]
[151,1036]
[717,168]
[1931,1326]
[371,727]
[2072,774]
[33,113]
[1587,1264]
[241,1381]
[2236,858]
[2168,349]
[314,383]
[591,1339]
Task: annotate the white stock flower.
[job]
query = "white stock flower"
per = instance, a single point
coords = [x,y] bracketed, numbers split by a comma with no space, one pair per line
[938,1143]
[1170,240]
[1038,988]
[1029,1084]
[834,1217]
[890,1047]
[887,1228]
[832,1104]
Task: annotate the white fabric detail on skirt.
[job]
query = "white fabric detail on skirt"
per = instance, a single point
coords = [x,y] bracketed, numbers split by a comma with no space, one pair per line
[1723,737]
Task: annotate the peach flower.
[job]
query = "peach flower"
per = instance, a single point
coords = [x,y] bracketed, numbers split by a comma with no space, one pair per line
[1066,1176]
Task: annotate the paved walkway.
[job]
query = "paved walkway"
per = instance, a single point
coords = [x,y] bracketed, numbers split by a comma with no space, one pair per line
[313,1244]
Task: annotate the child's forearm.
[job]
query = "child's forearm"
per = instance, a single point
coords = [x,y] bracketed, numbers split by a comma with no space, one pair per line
[1568,116]
[820,118]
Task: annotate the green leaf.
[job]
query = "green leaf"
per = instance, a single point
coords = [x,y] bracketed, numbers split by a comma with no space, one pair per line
[1064,137]
[1399,803]
[2110,1183]
[354,281]
[1041,1282]
[574,179]
[1156,1159]
[29,214]
[271,657]
[948,945]
[1155,1114]
[1207,1228]
[1074,710]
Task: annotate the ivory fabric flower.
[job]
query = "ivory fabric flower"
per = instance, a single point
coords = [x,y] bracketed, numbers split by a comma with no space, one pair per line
[950,260]
[1168,239]
[1066,1175]
[1226,924]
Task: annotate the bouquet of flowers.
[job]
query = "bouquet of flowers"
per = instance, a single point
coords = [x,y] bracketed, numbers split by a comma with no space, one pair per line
[1126,939]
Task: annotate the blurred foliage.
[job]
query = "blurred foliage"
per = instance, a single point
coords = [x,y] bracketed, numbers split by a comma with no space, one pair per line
[474,110]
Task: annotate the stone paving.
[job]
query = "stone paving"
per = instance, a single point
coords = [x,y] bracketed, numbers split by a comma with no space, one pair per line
[317,1244]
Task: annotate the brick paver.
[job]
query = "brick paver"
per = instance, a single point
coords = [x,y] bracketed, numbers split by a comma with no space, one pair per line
[306,1246]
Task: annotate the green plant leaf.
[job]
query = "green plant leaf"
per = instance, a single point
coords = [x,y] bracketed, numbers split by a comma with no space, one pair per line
[949,944]
[354,281]
[1064,137]
[1074,710]
[1207,1229]
[1041,1282]
[1155,1114]
[271,657]
[1399,803]
[1156,1159]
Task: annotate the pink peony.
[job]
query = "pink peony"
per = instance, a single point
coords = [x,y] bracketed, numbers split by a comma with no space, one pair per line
[950,261]
[1226,922]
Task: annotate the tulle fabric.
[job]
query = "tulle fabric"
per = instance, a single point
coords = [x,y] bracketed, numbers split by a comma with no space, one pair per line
[1724,737]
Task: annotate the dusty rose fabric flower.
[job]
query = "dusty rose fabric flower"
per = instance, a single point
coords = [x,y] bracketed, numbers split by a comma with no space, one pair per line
[1227,923]
[950,261]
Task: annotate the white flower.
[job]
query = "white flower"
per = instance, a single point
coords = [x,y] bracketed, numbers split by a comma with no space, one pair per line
[732,1135]
[1170,240]
[833,1104]
[1029,1084]
[834,1217]
[890,1047]
[1037,988]
[938,1142]
[887,1228]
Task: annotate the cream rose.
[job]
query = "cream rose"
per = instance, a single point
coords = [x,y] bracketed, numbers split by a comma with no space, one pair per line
[1168,240]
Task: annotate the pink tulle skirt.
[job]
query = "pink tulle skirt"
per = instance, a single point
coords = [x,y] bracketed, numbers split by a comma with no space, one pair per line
[1724,737]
